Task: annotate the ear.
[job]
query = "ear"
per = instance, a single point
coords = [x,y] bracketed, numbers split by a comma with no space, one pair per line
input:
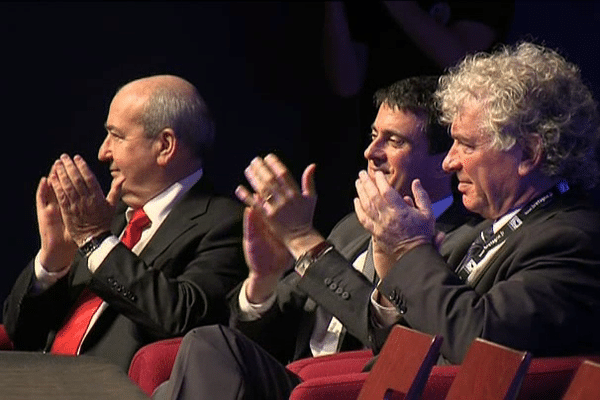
[166,146]
[533,151]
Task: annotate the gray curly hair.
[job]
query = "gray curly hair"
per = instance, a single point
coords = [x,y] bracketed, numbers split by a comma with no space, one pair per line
[530,90]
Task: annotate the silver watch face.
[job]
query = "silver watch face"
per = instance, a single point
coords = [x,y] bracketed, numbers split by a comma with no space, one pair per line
[302,264]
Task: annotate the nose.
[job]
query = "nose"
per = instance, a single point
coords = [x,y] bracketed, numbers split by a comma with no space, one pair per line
[451,162]
[374,150]
[104,151]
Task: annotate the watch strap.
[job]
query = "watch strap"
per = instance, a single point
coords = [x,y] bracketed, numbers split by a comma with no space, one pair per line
[311,256]
[93,243]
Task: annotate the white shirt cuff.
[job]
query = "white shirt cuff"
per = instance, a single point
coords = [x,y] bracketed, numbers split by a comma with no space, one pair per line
[98,255]
[383,316]
[251,311]
[43,278]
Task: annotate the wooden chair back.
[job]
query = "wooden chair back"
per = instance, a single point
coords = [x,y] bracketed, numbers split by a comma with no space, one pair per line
[403,366]
[585,384]
[489,372]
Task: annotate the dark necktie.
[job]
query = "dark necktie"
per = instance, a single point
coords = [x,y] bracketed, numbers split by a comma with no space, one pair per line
[467,264]
[69,337]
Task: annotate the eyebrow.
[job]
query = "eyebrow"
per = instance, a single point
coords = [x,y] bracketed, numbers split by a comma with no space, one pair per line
[392,133]
[110,128]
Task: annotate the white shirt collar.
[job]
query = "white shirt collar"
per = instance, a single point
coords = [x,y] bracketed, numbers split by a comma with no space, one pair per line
[159,206]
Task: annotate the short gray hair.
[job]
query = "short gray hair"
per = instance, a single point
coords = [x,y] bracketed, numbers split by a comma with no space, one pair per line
[186,113]
[530,90]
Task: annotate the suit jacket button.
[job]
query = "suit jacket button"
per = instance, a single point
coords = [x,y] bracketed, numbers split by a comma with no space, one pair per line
[333,286]
[345,295]
[327,281]
[339,291]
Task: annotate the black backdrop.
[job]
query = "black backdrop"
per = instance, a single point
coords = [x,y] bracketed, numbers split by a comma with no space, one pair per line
[258,65]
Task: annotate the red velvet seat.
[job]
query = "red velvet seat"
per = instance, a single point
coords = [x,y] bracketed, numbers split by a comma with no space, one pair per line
[336,364]
[151,365]
[339,376]
[474,378]
[5,342]
[547,378]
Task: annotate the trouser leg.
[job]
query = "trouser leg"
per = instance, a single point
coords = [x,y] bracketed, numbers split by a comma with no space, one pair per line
[215,362]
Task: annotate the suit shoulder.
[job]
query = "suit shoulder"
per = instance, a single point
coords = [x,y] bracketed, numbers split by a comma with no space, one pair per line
[348,223]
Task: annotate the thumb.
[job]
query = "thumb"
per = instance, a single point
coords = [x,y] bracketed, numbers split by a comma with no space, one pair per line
[308,181]
[114,194]
[422,200]
[438,239]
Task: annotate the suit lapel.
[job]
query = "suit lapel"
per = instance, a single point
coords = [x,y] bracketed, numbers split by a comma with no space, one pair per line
[181,218]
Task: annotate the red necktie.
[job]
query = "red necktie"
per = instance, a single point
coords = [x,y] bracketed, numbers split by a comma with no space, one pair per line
[69,337]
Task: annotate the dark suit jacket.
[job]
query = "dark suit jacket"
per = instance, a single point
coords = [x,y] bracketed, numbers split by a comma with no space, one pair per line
[332,283]
[540,292]
[179,281]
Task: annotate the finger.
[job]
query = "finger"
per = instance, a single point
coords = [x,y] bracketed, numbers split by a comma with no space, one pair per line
[438,239]
[362,217]
[308,181]
[386,191]
[367,207]
[114,194]
[57,187]
[42,194]
[282,174]
[369,186]
[362,199]
[254,224]
[248,225]
[409,201]
[260,177]
[245,196]
[73,181]
[87,175]
[421,197]
[367,192]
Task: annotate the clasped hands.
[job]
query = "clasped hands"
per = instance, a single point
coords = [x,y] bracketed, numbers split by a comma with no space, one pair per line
[397,224]
[71,208]
[278,222]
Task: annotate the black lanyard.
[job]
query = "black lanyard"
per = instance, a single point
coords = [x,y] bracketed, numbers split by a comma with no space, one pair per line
[515,222]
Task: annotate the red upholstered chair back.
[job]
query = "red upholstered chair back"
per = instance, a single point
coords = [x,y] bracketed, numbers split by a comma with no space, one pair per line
[151,365]
[403,366]
[5,342]
[586,383]
[489,372]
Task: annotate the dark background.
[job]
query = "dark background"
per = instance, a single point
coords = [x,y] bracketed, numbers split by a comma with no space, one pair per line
[257,64]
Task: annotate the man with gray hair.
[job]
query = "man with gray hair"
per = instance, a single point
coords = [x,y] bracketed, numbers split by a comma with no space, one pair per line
[100,288]
[525,130]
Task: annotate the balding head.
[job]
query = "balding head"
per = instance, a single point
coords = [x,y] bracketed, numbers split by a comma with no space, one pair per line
[172,102]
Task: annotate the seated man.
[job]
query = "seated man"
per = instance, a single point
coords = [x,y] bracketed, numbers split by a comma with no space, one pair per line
[324,304]
[525,129]
[176,260]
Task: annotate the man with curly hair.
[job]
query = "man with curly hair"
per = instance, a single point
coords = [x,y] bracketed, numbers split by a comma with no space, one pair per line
[524,128]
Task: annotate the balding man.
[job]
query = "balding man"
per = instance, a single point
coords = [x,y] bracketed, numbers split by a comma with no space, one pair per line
[152,259]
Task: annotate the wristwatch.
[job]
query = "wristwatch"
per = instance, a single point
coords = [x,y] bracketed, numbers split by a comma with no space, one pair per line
[311,256]
[93,243]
